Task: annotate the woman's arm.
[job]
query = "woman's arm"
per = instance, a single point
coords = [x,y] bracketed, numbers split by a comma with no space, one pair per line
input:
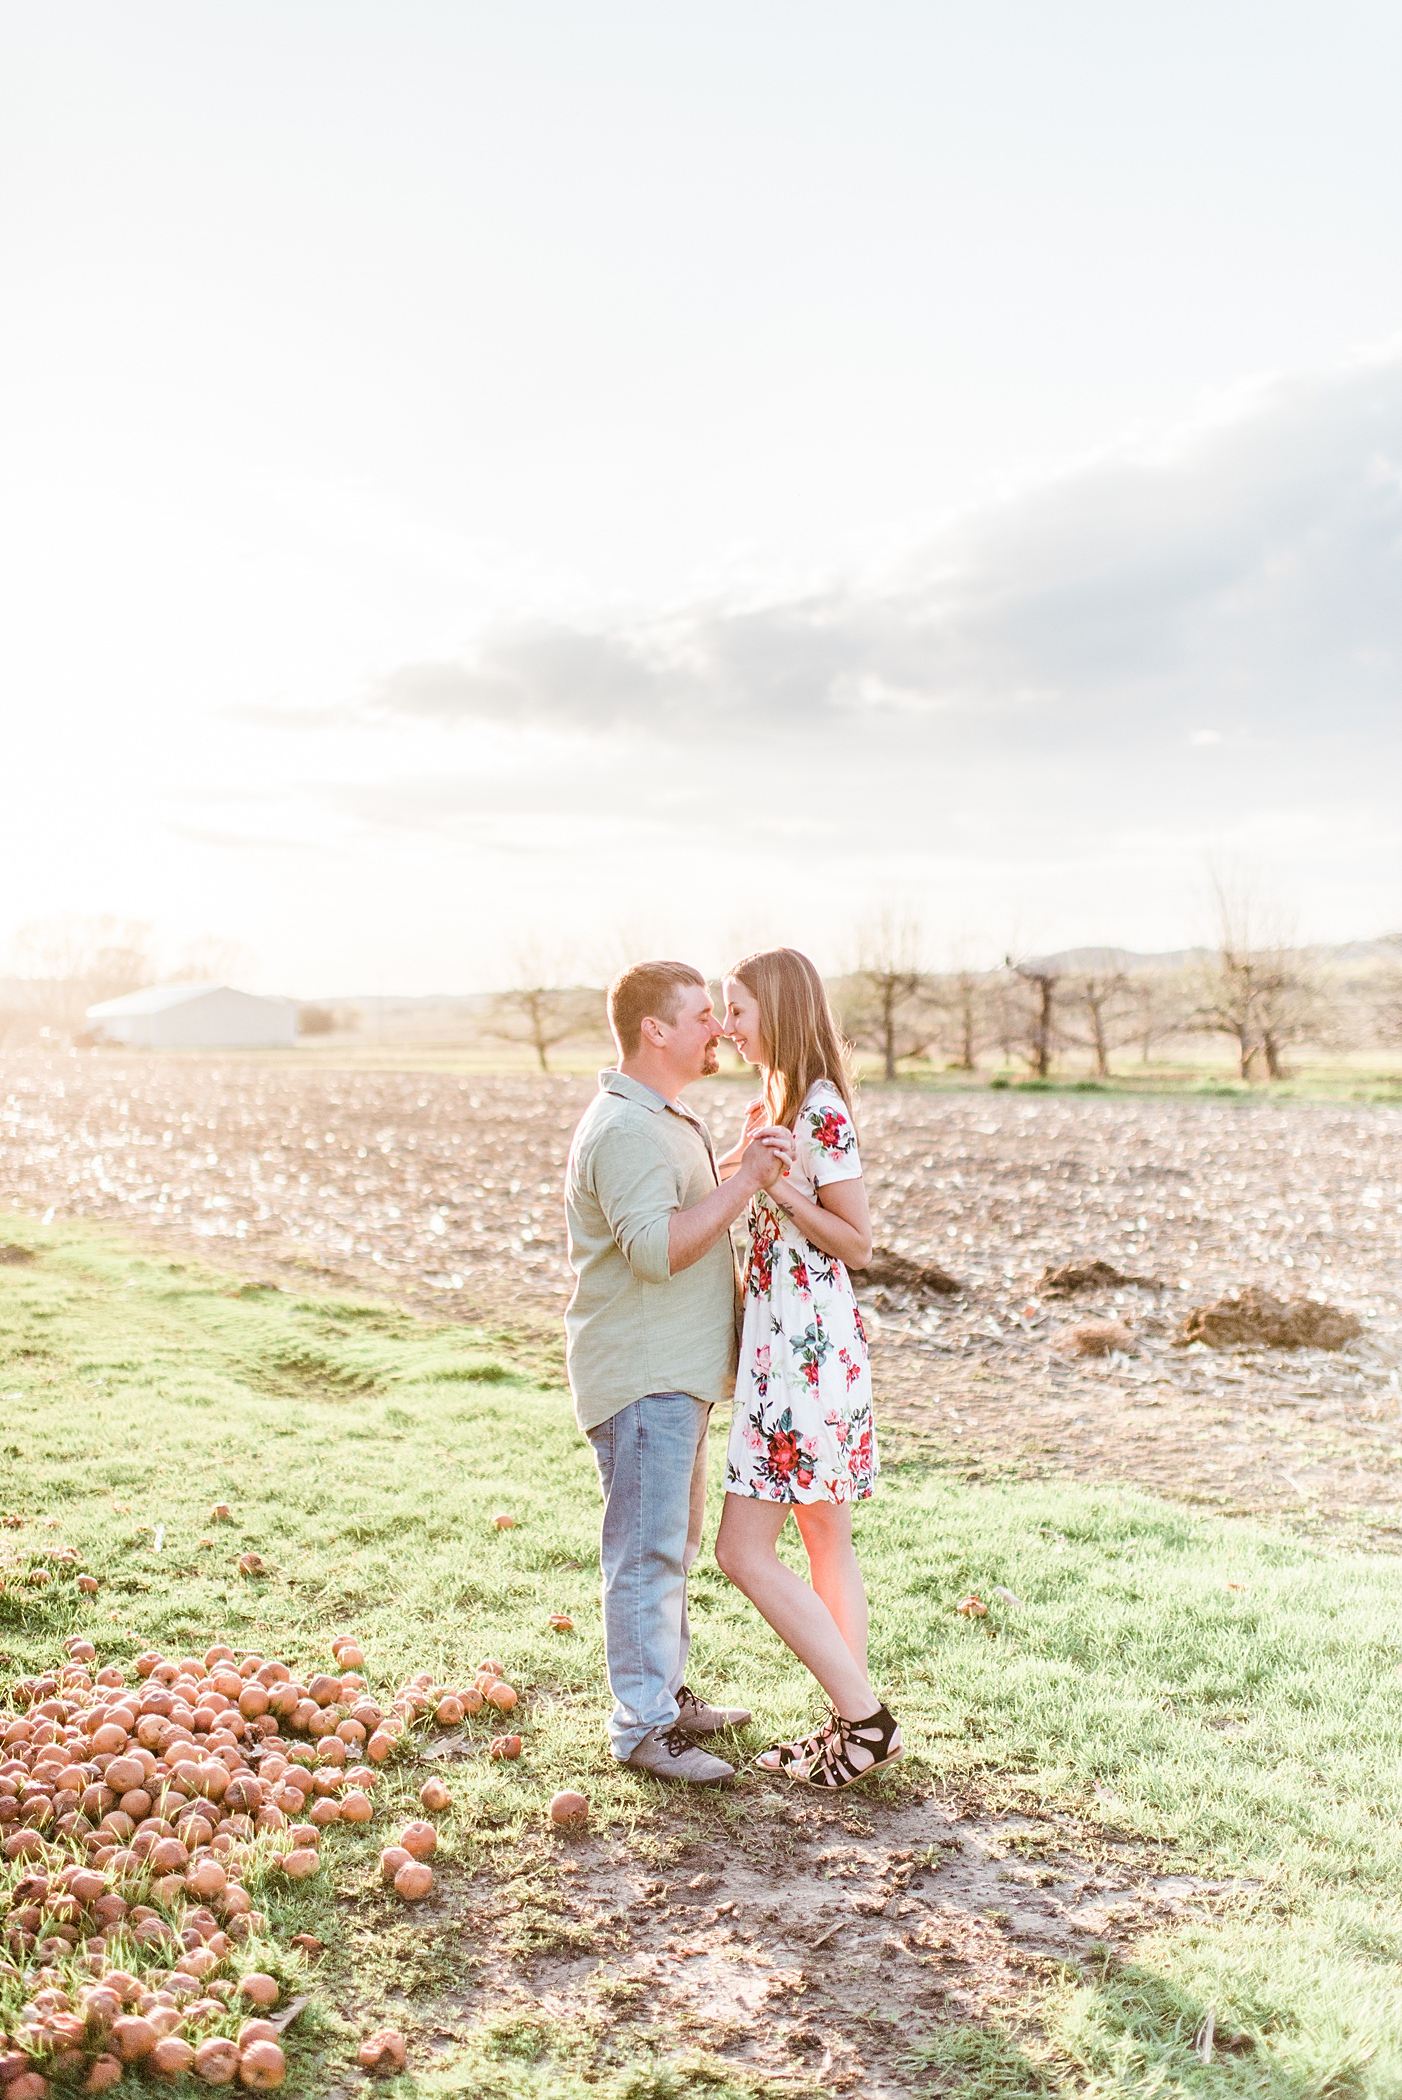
[839,1222]
[753,1123]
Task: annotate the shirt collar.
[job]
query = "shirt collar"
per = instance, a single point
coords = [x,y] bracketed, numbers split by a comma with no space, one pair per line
[615,1082]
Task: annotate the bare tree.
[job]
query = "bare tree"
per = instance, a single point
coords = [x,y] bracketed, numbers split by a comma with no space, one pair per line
[1227,1005]
[1260,987]
[1161,1001]
[885,999]
[1006,997]
[540,1011]
[1097,997]
[67,965]
[1037,1036]
[315,1018]
[960,999]
[1360,988]
[1386,999]
[1291,1006]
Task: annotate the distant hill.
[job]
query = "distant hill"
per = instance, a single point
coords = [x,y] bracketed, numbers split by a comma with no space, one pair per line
[1087,961]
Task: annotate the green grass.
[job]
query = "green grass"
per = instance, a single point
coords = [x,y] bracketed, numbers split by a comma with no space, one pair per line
[1177,1082]
[1228,1697]
[1379,1081]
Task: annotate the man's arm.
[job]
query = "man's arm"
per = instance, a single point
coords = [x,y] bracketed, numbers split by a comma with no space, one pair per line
[636,1190]
[692,1233]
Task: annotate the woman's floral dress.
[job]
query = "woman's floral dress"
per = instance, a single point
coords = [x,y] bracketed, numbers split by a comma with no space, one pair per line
[803,1429]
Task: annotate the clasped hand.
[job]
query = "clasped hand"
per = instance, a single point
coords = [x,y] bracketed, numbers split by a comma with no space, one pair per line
[768,1153]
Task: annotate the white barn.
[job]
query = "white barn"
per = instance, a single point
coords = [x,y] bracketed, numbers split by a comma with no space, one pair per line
[195,1017]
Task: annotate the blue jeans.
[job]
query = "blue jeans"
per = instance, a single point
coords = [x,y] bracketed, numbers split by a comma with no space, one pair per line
[651,1457]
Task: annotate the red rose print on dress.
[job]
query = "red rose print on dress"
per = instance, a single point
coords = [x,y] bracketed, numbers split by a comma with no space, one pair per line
[784,1460]
[764,1238]
[832,1131]
[803,1425]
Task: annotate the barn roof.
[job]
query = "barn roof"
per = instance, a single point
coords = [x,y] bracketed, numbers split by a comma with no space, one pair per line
[159,998]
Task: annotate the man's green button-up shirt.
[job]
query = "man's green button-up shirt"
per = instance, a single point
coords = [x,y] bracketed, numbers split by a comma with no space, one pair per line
[632,1327]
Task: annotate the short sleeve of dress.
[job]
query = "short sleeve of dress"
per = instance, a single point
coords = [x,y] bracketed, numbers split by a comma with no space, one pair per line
[829,1137]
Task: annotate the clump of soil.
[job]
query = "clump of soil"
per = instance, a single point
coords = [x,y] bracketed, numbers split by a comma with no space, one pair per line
[1096,1338]
[1073,1276]
[9,1252]
[1253,1318]
[898,1272]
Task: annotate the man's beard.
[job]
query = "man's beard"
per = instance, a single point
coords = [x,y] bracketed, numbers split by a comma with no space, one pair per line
[711,1063]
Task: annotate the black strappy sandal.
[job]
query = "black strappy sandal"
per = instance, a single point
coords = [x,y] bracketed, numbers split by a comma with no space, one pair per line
[832,1768]
[791,1755]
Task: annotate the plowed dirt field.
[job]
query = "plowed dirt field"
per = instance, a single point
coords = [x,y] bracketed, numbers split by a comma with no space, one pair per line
[443,1192]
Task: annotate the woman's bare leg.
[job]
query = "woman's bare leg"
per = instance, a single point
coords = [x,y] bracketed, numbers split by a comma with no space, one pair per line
[826,1530]
[749,1533]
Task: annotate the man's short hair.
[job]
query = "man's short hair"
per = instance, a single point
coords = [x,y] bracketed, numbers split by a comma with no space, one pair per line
[646,990]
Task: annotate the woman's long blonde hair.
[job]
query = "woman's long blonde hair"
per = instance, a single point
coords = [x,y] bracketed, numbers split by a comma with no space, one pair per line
[799,1030]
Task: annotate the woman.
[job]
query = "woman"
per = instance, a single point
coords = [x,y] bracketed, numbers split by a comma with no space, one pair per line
[802,1437]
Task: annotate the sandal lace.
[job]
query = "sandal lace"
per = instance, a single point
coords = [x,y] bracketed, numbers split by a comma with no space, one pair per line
[803,1751]
[834,1768]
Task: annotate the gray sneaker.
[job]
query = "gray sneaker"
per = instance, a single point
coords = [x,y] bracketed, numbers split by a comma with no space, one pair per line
[669,1753]
[697,1718]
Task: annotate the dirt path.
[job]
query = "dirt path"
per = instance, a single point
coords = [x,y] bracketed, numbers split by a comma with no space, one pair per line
[831,1942]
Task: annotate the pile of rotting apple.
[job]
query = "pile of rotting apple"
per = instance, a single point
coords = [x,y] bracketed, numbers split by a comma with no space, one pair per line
[133,1813]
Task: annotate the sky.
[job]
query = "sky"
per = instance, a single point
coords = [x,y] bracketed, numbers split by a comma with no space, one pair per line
[482,484]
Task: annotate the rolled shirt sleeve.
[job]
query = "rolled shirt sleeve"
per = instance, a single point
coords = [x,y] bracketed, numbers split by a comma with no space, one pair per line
[635,1187]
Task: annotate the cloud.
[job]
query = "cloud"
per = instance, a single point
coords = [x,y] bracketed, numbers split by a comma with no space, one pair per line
[534,676]
[1244,581]
[1058,707]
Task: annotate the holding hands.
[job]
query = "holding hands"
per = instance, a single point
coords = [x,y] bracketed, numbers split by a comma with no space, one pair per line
[766,1150]
[759,1160]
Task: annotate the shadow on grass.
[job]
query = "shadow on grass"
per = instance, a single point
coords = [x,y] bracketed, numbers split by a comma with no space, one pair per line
[1138,2032]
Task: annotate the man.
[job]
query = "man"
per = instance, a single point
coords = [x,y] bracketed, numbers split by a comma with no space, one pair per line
[651,1345]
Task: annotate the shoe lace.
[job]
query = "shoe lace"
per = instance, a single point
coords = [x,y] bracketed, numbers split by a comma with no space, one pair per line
[678,1742]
